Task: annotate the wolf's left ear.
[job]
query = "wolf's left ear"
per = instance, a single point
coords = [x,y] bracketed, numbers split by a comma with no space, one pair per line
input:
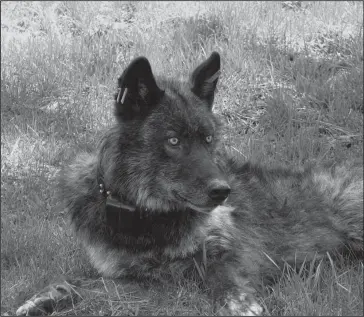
[204,78]
[137,92]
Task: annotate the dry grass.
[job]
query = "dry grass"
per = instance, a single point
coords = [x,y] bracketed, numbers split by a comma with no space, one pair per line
[291,90]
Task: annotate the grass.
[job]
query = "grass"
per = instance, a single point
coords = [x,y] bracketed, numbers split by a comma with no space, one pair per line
[291,91]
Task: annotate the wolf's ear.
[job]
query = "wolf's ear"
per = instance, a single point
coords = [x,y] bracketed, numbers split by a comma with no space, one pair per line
[137,92]
[204,78]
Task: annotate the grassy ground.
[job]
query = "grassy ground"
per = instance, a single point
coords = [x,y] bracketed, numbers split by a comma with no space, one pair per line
[291,91]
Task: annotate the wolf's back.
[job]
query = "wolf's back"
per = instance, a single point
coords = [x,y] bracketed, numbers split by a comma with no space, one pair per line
[342,188]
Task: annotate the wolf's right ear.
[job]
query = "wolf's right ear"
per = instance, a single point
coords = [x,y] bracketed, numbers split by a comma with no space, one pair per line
[137,92]
[204,79]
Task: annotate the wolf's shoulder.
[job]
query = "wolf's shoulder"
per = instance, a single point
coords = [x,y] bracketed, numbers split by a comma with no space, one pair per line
[80,174]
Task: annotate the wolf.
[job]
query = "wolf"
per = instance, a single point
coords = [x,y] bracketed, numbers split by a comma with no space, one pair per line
[160,197]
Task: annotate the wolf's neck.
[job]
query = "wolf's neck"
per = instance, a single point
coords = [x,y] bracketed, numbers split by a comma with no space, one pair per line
[144,227]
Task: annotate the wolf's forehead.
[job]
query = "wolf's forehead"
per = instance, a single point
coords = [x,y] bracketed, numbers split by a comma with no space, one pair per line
[189,116]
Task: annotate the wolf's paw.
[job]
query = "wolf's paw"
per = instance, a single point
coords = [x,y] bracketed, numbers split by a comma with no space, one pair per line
[53,297]
[242,304]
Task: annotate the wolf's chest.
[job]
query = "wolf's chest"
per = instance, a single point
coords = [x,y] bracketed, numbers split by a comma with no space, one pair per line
[138,229]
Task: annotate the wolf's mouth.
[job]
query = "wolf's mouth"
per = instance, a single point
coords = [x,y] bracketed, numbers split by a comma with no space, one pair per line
[188,203]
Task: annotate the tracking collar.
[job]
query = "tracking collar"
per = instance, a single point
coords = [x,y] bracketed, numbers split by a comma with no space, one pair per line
[121,216]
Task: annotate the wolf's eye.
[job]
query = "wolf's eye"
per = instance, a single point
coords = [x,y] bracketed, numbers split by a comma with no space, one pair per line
[173,141]
[208,139]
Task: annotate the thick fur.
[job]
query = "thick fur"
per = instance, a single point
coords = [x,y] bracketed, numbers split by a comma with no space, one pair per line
[270,217]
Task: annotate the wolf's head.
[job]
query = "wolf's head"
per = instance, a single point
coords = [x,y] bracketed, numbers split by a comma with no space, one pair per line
[167,138]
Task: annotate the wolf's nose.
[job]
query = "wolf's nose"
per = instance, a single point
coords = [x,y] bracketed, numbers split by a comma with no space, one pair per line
[218,190]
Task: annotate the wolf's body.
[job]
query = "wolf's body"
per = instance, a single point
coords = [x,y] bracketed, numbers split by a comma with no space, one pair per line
[186,204]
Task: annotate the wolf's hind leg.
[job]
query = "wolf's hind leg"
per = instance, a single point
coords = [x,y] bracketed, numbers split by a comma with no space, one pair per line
[53,297]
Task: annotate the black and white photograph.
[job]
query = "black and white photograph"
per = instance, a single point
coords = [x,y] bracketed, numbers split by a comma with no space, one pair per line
[182,158]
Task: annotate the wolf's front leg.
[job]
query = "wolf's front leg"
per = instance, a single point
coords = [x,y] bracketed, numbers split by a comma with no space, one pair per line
[240,303]
[231,291]
[54,297]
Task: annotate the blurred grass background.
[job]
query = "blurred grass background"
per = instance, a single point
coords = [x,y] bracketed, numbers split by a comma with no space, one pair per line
[291,91]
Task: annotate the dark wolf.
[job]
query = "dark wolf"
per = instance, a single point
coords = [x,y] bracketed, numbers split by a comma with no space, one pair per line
[160,197]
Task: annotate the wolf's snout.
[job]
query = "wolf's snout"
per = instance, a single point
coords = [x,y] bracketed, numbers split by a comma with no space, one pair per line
[218,190]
